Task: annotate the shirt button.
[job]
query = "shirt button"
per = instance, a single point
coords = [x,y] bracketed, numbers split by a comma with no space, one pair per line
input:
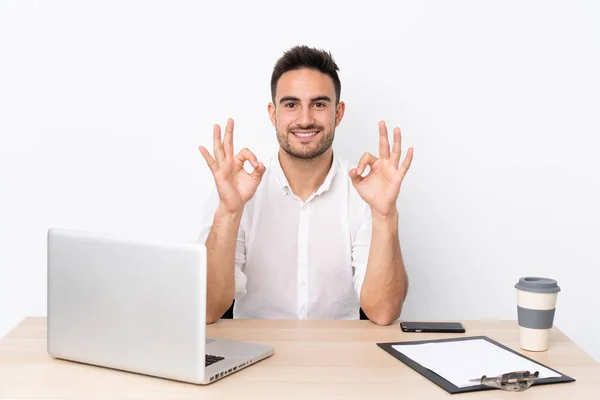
[303,284]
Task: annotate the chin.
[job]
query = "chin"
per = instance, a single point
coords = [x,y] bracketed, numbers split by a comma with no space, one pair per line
[303,155]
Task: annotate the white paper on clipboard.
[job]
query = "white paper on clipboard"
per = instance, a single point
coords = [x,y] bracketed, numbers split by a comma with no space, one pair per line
[460,361]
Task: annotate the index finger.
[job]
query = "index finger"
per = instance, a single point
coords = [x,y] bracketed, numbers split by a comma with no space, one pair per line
[384,144]
[366,159]
[246,155]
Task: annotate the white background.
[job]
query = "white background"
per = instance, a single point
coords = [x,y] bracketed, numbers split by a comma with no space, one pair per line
[103,105]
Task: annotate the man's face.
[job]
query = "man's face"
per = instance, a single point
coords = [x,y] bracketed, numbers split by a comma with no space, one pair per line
[305,114]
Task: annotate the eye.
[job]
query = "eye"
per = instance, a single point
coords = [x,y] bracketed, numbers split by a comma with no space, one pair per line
[320,105]
[289,105]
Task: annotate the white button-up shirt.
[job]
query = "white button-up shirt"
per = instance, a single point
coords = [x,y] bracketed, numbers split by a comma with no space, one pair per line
[300,259]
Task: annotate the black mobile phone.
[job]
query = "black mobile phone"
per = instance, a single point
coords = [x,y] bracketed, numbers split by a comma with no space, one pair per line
[443,327]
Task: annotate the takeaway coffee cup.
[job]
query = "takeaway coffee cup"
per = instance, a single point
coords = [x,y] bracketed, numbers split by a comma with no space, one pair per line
[536,304]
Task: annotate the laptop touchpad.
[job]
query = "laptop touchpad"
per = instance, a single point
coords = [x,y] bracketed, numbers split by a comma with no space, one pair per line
[208,341]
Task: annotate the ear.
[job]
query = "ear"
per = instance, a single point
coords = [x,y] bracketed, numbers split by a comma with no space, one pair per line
[339,113]
[271,109]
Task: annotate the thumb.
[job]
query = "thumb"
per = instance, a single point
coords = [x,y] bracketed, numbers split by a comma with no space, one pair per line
[259,171]
[355,176]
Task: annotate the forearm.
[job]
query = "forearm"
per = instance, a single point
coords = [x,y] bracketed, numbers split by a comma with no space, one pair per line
[386,282]
[220,246]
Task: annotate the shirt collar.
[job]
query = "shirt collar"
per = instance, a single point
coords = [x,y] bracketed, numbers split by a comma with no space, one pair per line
[285,185]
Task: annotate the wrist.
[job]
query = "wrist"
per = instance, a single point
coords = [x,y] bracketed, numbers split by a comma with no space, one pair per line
[391,215]
[385,221]
[224,212]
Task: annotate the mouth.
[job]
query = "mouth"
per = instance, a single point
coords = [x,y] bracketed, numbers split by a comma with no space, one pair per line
[305,135]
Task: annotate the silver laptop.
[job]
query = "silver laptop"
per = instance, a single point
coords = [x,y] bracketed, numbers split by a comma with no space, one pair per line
[137,306]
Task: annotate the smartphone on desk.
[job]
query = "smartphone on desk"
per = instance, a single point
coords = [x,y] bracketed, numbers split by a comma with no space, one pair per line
[441,327]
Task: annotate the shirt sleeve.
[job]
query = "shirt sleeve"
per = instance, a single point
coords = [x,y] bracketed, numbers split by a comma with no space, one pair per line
[360,248]
[208,214]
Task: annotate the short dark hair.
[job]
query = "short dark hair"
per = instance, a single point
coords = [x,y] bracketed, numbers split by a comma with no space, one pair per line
[299,57]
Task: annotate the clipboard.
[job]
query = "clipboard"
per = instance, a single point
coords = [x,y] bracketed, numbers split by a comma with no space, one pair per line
[449,386]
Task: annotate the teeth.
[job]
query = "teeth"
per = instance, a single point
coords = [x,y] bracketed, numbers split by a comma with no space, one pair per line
[304,135]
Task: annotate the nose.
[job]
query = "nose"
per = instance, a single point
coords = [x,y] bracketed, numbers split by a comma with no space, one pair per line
[306,117]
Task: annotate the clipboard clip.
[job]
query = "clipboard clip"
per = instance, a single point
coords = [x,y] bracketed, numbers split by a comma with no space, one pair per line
[516,381]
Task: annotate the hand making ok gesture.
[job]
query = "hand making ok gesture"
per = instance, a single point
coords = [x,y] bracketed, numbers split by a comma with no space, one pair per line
[234,184]
[380,188]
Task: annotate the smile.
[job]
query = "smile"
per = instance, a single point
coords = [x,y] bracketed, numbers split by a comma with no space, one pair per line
[305,134]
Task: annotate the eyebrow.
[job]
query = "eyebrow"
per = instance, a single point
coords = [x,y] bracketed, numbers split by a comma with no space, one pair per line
[292,98]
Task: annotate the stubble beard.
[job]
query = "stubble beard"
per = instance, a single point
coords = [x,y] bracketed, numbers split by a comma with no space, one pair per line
[307,152]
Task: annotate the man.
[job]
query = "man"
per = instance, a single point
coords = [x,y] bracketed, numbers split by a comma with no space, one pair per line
[305,236]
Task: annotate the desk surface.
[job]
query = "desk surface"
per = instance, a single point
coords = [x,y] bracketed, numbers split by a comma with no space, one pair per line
[312,360]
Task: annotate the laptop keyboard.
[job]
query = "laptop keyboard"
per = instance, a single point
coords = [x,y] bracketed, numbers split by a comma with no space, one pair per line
[209,360]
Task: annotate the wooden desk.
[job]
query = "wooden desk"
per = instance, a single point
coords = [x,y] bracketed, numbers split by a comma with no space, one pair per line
[312,360]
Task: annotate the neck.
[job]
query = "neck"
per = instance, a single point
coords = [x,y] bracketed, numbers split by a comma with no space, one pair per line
[305,176]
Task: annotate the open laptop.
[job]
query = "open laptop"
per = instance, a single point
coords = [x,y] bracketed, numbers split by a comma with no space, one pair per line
[137,306]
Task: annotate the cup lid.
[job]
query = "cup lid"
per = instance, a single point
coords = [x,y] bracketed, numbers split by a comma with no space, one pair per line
[538,285]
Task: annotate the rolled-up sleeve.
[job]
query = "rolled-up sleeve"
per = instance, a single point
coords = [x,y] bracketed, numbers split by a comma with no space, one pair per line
[208,214]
